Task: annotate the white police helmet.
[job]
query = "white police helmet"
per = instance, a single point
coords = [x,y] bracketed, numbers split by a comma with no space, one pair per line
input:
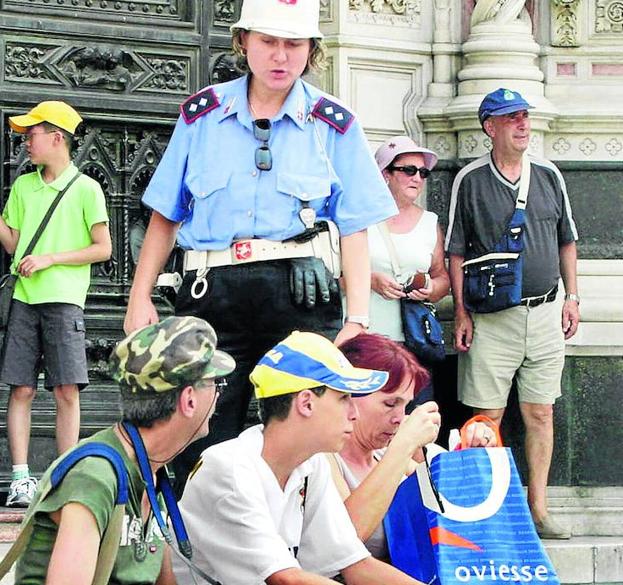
[289,19]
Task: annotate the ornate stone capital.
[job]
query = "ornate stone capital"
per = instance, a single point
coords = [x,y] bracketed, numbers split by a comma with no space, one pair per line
[565,23]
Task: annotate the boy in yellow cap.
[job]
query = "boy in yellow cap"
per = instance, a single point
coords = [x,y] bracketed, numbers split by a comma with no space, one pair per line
[262,508]
[46,317]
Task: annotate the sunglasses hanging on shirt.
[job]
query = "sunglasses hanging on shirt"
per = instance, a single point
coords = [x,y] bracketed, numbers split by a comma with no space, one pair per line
[263,155]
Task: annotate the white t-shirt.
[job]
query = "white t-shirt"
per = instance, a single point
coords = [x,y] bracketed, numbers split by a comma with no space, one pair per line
[243,527]
[415,253]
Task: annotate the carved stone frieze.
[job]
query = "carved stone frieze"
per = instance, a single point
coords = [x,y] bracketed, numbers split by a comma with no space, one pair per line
[609,16]
[222,67]
[386,12]
[26,62]
[157,9]
[169,74]
[582,147]
[565,23]
[106,68]
[225,12]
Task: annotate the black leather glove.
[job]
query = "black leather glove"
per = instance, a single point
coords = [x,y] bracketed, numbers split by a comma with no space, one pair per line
[308,276]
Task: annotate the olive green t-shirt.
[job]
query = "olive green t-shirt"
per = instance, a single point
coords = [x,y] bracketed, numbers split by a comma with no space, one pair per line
[69,229]
[92,483]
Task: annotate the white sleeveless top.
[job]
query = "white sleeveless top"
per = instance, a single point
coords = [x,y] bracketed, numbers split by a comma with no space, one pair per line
[377,543]
[415,252]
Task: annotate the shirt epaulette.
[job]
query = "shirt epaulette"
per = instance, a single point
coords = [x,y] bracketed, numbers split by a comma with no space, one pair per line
[333,114]
[199,104]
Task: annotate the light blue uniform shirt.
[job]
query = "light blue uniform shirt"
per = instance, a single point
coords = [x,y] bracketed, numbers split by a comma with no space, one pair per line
[207,178]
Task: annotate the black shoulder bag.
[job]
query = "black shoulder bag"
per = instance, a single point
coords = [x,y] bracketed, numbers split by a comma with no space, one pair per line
[8,281]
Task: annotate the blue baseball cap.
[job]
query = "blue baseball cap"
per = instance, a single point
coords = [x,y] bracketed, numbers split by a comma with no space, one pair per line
[308,360]
[500,102]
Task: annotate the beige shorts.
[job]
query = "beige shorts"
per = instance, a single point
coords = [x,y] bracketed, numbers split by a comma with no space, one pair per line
[522,342]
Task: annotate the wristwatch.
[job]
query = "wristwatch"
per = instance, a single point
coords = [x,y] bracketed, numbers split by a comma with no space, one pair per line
[572,297]
[363,320]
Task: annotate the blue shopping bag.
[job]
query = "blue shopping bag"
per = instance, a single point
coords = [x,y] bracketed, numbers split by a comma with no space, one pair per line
[467,522]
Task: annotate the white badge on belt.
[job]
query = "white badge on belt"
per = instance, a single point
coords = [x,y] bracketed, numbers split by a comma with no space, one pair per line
[308,217]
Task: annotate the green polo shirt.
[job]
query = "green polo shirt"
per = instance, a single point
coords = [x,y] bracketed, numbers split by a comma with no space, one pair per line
[69,229]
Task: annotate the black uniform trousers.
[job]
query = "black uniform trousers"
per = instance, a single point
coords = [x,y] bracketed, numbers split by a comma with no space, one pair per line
[251,309]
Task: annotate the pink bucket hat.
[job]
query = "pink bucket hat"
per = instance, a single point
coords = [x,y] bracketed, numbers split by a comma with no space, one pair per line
[398,145]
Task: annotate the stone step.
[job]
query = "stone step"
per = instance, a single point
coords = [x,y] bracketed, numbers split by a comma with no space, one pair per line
[587,560]
[589,511]
[10,521]
[582,560]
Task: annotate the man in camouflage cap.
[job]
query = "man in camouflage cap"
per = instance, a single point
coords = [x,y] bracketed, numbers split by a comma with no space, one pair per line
[169,374]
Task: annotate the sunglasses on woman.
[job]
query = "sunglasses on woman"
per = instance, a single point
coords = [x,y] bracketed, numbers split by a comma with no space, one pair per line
[411,170]
[263,156]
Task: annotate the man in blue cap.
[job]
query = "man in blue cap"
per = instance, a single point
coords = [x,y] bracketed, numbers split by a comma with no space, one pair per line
[507,314]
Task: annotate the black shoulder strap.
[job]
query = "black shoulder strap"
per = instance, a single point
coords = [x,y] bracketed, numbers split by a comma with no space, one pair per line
[48,215]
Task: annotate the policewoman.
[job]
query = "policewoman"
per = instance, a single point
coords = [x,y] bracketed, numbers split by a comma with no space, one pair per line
[265,181]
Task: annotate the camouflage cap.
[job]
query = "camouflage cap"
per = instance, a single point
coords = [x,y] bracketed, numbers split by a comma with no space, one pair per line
[174,353]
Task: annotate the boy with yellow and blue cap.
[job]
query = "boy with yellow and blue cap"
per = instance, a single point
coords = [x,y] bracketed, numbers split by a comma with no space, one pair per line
[262,508]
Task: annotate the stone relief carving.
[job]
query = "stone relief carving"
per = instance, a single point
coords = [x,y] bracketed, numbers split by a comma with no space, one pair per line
[98,67]
[613,147]
[224,12]
[565,23]
[594,147]
[170,9]
[222,67]
[470,143]
[561,146]
[406,12]
[499,11]
[169,74]
[609,16]
[587,146]
[442,147]
[111,69]
[25,62]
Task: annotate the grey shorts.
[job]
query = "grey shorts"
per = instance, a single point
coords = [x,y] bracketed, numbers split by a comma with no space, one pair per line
[51,335]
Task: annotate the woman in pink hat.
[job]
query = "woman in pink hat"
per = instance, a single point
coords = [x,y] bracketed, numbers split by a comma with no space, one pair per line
[414,235]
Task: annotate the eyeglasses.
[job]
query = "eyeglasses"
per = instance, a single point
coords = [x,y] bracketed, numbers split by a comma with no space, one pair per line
[412,170]
[29,136]
[263,156]
[220,384]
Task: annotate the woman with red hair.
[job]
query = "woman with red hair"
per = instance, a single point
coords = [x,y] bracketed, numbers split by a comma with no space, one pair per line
[386,444]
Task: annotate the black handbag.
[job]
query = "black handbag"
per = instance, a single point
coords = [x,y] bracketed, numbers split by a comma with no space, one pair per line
[8,281]
[423,332]
[493,282]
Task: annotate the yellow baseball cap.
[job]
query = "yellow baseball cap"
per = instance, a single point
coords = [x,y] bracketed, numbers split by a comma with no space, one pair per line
[58,113]
[308,360]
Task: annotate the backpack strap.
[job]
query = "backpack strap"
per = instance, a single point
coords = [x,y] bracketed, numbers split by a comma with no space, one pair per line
[110,539]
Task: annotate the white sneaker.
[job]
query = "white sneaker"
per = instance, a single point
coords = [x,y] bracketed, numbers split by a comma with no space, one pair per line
[21,492]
